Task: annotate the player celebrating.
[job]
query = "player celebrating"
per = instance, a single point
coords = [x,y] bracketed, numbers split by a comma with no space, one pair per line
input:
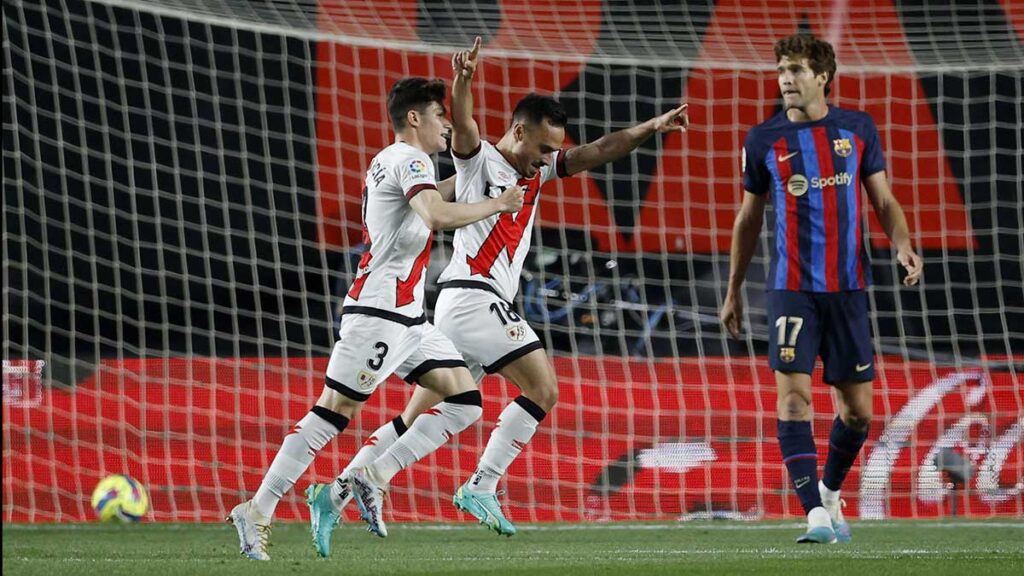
[384,329]
[474,308]
[811,159]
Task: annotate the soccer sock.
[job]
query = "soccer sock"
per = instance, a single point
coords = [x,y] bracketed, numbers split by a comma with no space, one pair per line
[375,445]
[297,451]
[844,443]
[430,430]
[801,459]
[516,425]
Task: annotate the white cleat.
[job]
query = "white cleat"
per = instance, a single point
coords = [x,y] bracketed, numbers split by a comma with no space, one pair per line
[253,530]
[369,496]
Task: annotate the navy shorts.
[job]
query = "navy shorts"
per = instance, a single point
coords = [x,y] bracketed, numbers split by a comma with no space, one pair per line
[833,325]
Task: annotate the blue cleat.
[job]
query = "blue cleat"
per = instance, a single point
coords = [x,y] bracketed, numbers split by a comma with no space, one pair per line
[819,528]
[485,508]
[819,535]
[834,506]
[323,517]
[839,524]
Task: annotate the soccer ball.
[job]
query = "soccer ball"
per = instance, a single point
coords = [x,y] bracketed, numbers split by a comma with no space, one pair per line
[120,498]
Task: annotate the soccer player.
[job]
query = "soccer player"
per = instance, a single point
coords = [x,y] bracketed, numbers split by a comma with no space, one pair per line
[811,160]
[474,308]
[384,330]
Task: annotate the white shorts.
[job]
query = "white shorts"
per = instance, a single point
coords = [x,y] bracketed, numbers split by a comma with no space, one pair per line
[370,348]
[485,328]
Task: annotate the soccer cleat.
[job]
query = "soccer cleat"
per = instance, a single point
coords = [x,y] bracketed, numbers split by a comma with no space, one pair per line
[253,530]
[323,516]
[819,535]
[369,496]
[834,507]
[485,508]
[819,528]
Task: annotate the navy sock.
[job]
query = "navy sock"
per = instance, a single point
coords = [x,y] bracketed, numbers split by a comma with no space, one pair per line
[844,444]
[801,459]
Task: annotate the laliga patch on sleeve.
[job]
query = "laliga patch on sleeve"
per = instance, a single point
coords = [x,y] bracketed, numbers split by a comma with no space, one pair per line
[418,169]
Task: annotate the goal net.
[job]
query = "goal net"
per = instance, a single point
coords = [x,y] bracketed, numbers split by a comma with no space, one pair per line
[181,184]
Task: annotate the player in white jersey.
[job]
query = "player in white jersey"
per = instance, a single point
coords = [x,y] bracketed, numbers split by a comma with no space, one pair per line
[474,308]
[384,330]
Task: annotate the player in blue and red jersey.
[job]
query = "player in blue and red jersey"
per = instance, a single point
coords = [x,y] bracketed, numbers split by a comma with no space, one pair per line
[810,161]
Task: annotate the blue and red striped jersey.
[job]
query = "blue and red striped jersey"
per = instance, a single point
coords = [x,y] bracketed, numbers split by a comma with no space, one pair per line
[813,171]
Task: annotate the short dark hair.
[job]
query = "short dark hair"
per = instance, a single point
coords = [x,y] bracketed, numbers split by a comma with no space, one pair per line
[819,54]
[413,94]
[534,108]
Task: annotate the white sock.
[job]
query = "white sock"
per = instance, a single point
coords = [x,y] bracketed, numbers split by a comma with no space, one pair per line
[515,427]
[817,517]
[430,430]
[826,494]
[297,451]
[378,443]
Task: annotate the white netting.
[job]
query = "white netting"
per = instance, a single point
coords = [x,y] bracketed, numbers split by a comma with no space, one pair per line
[181,184]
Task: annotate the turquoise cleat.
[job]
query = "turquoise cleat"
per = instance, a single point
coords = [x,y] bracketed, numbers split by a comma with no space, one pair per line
[322,517]
[839,524]
[485,508]
[818,535]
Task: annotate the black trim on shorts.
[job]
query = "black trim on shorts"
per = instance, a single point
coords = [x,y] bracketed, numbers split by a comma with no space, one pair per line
[531,408]
[429,365]
[513,356]
[385,314]
[337,420]
[479,146]
[471,285]
[345,390]
[468,398]
[399,424]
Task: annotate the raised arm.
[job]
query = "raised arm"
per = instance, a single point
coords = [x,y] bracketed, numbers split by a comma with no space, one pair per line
[617,144]
[465,132]
[745,231]
[894,222]
[439,214]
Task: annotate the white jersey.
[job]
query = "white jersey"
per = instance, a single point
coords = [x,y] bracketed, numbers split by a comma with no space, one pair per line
[390,275]
[492,251]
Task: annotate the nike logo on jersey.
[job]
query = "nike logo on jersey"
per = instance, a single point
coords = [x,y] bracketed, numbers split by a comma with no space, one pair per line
[785,157]
[801,482]
[862,367]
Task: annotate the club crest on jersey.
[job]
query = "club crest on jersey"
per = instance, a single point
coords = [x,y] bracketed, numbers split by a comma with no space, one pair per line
[842,146]
[516,332]
[787,354]
[797,185]
[418,167]
[366,380]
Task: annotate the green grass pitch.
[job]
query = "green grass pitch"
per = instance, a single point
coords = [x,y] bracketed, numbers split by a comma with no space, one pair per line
[899,547]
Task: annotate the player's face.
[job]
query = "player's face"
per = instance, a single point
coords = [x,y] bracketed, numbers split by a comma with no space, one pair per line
[536,145]
[434,129]
[799,84]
